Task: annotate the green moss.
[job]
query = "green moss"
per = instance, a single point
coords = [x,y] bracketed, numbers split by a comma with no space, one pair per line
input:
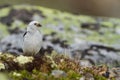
[85,19]
[17,23]
[37,75]
[4,12]
[46,30]
[3,30]
[27,7]
[73,75]
[98,77]
[107,24]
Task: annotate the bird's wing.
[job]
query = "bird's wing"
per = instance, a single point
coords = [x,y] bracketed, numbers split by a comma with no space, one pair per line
[24,33]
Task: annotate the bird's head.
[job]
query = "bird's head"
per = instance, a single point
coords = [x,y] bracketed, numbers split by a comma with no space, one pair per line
[35,24]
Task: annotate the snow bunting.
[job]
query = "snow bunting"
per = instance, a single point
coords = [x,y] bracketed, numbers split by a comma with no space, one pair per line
[32,39]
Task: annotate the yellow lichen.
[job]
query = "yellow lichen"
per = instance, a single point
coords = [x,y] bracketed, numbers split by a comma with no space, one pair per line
[23,59]
[16,74]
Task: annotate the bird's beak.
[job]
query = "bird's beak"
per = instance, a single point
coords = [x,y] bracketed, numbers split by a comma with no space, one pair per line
[38,25]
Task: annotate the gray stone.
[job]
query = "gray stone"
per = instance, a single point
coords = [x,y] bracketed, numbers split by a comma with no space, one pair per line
[12,43]
[58,73]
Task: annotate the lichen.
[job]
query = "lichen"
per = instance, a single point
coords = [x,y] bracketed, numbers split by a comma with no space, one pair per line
[23,59]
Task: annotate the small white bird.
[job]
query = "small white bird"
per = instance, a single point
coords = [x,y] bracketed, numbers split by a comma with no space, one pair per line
[32,40]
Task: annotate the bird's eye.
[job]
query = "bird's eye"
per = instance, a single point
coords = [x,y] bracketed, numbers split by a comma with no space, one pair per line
[35,23]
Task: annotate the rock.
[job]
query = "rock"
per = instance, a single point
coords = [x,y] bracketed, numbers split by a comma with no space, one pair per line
[87,76]
[95,53]
[118,31]
[36,17]
[92,26]
[102,56]
[4,6]
[85,63]
[79,44]
[12,43]
[82,78]
[58,73]
[22,14]
[115,72]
